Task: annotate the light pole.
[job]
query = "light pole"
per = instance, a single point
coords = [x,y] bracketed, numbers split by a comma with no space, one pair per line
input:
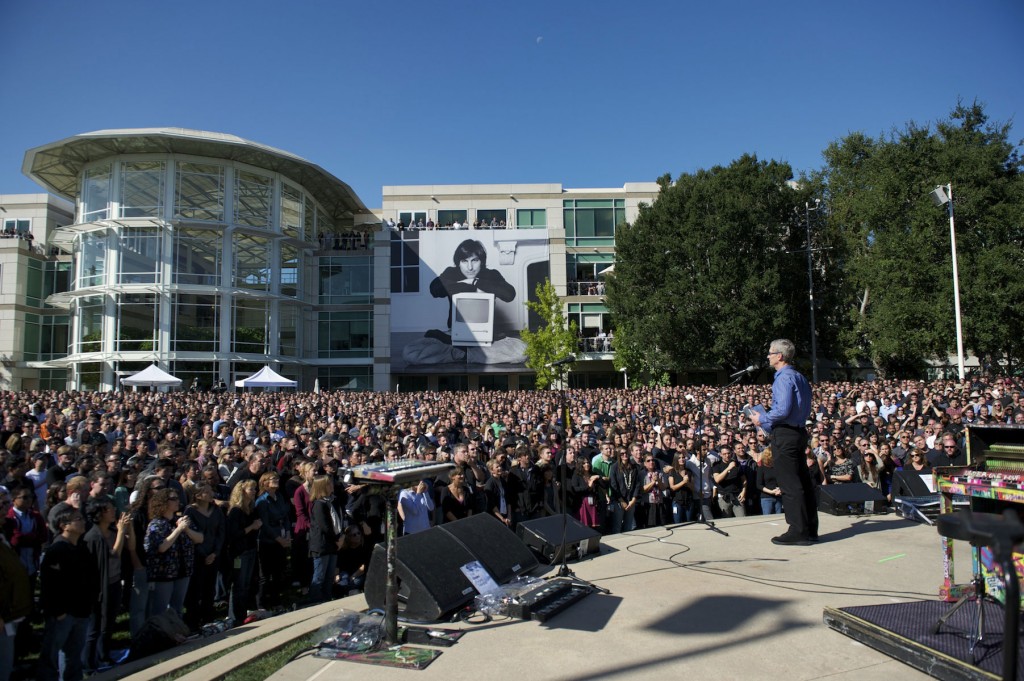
[625,378]
[809,250]
[943,195]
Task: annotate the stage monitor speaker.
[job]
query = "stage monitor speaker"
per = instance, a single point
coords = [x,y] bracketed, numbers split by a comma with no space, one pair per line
[851,498]
[906,483]
[544,535]
[497,548]
[430,582]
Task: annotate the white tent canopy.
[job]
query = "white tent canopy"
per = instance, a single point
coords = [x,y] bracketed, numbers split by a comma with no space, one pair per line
[152,376]
[266,378]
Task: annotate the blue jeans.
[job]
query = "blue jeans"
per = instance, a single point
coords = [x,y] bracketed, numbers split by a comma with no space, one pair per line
[6,654]
[683,512]
[165,595]
[771,505]
[63,643]
[140,600]
[622,520]
[324,567]
[241,587]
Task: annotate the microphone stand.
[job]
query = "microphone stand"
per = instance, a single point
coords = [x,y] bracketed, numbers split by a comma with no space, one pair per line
[563,569]
[702,519]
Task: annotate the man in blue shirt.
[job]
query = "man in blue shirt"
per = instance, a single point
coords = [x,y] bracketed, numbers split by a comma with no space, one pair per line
[787,420]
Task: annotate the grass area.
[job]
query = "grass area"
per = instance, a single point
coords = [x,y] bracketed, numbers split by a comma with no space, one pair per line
[266,665]
[203,661]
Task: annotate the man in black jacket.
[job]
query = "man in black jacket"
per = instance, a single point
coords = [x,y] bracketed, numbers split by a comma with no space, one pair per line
[68,586]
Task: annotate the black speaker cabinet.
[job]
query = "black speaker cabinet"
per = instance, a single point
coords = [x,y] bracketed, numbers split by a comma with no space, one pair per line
[908,483]
[497,548]
[544,535]
[852,498]
[430,582]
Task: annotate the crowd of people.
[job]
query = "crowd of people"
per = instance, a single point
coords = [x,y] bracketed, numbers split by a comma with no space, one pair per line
[222,505]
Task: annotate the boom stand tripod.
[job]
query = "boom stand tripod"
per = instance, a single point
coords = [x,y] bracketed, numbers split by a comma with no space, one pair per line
[700,463]
[563,569]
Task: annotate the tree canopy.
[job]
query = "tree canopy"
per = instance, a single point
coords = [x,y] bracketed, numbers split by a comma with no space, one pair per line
[898,241]
[553,340]
[716,267]
[703,277]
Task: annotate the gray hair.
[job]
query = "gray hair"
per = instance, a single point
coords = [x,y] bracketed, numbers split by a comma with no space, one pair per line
[785,347]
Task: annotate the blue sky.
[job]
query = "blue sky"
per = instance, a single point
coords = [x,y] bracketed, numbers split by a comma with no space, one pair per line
[589,94]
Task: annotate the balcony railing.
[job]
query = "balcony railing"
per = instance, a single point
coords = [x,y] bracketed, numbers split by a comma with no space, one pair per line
[586,288]
[598,345]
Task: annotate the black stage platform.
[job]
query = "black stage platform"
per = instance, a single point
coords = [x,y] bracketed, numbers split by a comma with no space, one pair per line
[904,632]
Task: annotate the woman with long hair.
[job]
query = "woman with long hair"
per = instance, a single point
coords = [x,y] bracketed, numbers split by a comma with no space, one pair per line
[584,486]
[680,489]
[325,536]
[303,504]
[242,529]
[170,548]
[208,519]
[768,484]
[104,541]
[274,540]
[456,499]
[139,598]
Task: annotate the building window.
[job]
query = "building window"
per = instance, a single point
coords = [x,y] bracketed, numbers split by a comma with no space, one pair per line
[288,330]
[96,194]
[532,218]
[309,221]
[447,218]
[17,227]
[291,266]
[592,222]
[405,262]
[492,218]
[93,258]
[410,218]
[346,281]
[493,381]
[583,272]
[197,256]
[140,255]
[45,278]
[53,379]
[89,375]
[345,378]
[196,323]
[458,382]
[142,189]
[252,262]
[345,334]
[291,211]
[250,324]
[90,324]
[137,322]
[199,192]
[253,197]
[187,371]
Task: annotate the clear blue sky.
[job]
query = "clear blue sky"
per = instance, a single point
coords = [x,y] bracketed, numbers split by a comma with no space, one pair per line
[589,94]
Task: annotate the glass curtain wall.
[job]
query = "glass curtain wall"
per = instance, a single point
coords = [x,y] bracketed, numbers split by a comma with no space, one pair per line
[96,194]
[90,323]
[252,262]
[137,322]
[92,257]
[199,192]
[140,255]
[197,256]
[250,326]
[196,323]
[142,189]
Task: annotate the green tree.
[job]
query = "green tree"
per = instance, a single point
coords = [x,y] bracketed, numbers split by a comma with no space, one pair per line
[553,340]
[898,266]
[703,278]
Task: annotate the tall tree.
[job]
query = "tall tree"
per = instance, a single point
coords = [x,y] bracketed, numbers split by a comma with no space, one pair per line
[553,340]
[703,277]
[899,266]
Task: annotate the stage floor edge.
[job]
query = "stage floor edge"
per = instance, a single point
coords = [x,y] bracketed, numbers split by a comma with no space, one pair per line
[867,628]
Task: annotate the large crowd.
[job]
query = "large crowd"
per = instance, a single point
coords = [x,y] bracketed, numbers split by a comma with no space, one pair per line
[225,506]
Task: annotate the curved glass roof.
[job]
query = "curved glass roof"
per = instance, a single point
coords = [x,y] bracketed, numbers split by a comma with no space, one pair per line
[57,165]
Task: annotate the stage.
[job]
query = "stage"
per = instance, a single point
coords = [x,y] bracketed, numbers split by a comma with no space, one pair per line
[688,601]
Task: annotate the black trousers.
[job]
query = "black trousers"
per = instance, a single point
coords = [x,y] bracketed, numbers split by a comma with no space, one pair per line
[798,498]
